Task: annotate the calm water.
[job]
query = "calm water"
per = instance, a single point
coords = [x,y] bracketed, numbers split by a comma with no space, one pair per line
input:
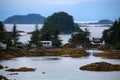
[95,31]
[59,68]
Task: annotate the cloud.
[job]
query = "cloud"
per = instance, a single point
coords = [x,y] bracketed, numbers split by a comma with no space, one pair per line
[63,2]
[48,2]
[53,2]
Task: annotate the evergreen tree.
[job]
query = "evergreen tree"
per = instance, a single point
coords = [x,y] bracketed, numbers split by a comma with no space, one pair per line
[5,37]
[36,37]
[81,37]
[50,32]
[2,32]
[15,35]
[111,35]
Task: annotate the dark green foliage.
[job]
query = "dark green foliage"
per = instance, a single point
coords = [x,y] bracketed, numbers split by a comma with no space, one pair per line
[5,37]
[25,19]
[36,37]
[105,21]
[56,42]
[8,40]
[15,35]
[2,32]
[112,35]
[81,37]
[64,22]
[50,32]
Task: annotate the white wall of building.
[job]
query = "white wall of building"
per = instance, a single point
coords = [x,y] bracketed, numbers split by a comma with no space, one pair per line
[46,44]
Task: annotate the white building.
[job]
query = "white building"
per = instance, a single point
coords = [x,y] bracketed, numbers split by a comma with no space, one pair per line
[98,41]
[3,46]
[46,44]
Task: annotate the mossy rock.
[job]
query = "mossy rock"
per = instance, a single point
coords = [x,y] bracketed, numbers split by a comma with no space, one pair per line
[3,77]
[22,69]
[111,55]
[1,67]
[101,66]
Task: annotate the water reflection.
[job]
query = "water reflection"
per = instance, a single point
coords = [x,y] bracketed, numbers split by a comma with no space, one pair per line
[51,58]
[59,68]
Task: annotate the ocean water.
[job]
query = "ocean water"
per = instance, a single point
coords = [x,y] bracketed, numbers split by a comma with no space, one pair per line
[59,68]
[95,29]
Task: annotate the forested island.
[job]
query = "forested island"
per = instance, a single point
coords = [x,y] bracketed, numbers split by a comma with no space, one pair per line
[25,19]
[105,21]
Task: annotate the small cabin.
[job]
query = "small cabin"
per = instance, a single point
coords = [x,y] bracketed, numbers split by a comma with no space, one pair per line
[3,46]
[46,44]
[97,41]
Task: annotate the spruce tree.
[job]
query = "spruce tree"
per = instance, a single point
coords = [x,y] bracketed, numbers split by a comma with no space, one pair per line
[5,37]
[50,32]
[36,37]
[15,35]
[2,32]
[111,36]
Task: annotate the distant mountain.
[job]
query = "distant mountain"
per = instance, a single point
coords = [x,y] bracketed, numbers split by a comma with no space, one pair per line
[105,21]
[25,19]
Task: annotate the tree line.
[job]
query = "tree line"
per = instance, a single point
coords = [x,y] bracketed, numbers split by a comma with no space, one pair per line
[111,36]
[9,38]
[53,26]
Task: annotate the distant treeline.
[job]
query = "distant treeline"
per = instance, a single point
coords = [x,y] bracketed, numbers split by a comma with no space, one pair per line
[25,19]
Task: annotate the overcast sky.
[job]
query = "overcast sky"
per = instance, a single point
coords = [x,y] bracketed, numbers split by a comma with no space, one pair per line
[81,10]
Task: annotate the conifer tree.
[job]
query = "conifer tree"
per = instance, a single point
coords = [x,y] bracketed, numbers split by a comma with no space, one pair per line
[4,36]
[36,37]
[2,32]
[15,35]
[111,36]
[50,32]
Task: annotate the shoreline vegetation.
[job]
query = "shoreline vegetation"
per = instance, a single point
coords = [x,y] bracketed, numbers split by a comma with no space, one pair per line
[21,69]
[108,54]
[101,66]
[3,77]
[63,52]
[46,52]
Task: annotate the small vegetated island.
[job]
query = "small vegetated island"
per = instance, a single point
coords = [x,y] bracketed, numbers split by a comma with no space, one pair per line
[22,69]
[63,21]
[110,55]
[3,77]
[25,19]
[101,66]
[53,52]
[105,21]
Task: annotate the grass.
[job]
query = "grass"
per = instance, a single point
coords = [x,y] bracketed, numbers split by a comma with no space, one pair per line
[110,55]
[22,69]
[101,66]
[46,52]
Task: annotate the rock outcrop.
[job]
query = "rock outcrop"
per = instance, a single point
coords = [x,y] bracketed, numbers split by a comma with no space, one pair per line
[101,66]
[22,69]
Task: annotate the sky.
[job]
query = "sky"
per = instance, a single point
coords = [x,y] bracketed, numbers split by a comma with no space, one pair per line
[81,10]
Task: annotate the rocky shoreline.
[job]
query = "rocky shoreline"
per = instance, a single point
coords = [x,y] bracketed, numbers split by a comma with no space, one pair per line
[21,69]
[101,66]
[3,77]
[1,67]
[47,52]
[110,55]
